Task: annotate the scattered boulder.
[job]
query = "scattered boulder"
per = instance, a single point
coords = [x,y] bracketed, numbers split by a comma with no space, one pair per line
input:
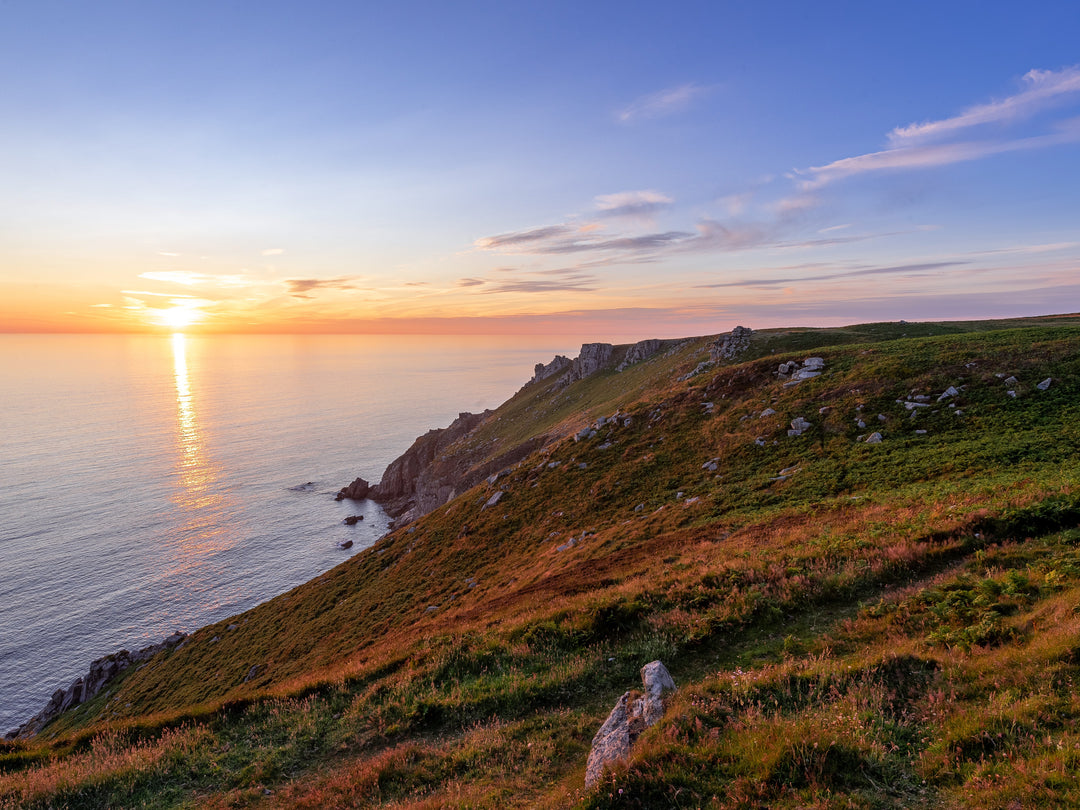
[799,425]
[795,372]
[1045,384]
[494,499]
[767,412]
[874,438]
[948,393]
[633,713]
[712,465]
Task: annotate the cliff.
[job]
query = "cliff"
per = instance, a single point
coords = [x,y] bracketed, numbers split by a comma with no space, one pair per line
[445,462]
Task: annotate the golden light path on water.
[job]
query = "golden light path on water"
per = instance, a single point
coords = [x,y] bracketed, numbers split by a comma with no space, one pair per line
[203,532]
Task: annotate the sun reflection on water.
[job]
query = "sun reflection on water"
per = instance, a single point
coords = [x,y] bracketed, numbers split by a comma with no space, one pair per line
[205,531]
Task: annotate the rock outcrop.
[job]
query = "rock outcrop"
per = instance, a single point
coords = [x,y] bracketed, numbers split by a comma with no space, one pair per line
[633,713]
[556,366]
[407,484]
[731,345]
[439,466]
[102,672]
[593,357]
[642,350]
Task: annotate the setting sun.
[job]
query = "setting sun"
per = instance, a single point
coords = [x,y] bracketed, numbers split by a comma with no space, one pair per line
[179,316]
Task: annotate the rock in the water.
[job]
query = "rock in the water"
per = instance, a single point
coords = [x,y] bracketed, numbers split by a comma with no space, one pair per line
[633,713]
[345,544]
[356,491]
[352,520]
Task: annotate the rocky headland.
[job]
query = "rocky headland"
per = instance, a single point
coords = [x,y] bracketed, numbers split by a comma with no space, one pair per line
[443,462]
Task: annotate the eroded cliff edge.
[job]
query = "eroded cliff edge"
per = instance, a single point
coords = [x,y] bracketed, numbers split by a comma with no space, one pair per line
[445,462]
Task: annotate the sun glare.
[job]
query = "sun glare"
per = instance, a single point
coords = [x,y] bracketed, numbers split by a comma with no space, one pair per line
[179,317]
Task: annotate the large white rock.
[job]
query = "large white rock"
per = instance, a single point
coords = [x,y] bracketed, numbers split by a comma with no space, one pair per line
[633,713]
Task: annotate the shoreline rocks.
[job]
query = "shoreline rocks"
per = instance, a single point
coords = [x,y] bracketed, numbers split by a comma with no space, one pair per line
[101,674]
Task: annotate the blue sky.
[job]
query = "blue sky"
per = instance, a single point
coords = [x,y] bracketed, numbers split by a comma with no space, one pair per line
[608,169]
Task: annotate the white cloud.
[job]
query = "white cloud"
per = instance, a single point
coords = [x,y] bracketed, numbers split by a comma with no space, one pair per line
[1043,88]
[931,155]
[189,279]
[273,251]
[624,199]
[914,146]
[661,103]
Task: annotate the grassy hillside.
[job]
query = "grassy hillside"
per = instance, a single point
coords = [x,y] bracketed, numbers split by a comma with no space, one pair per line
[850,624]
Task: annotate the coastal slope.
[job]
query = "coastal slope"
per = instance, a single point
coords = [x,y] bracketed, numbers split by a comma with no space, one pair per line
[855,550]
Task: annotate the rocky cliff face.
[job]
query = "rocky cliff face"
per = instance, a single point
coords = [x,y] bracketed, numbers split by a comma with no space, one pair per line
[593,357]
[642,350]
[556,366]
[439,465]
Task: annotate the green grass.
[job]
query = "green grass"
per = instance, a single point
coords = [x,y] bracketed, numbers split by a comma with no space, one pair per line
[890,625]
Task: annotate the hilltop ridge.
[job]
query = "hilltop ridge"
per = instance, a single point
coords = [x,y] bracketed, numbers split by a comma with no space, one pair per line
[851,620]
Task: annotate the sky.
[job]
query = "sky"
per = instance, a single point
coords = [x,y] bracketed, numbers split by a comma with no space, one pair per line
[622,170]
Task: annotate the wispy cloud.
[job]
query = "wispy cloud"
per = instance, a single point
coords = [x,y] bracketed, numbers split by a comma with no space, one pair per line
[661,103]
[935,143]
[303,287]
[581,283]
[273,251]
[523,237]
[1042,89]
[634,204]
[865,271]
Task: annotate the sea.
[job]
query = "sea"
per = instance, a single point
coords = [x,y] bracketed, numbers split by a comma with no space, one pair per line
[155,483]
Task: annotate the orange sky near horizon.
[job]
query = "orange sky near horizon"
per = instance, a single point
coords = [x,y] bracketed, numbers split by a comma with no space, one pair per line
[432,169]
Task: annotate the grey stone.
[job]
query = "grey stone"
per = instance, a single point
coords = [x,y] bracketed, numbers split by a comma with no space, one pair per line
[542,372]
[1045,384]
[948,393]
[642,350]
[874,438]
[632,714]
[732,344]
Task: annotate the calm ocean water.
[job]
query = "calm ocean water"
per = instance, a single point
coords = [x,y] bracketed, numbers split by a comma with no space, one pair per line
[147,482]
